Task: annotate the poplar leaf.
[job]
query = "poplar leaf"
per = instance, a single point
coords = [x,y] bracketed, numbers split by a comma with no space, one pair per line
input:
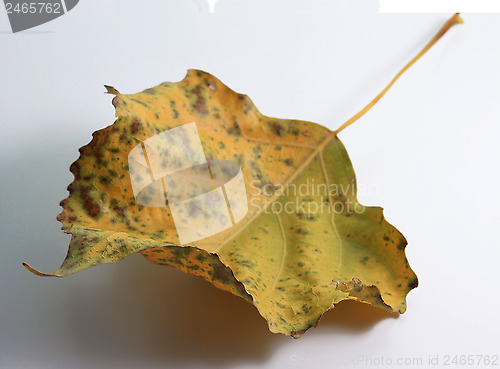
[303,242]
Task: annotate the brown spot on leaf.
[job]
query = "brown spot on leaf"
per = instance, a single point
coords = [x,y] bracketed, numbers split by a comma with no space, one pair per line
[134,127]
[199,105]
[277,128]
[235,129]
[140,102]
[92,208]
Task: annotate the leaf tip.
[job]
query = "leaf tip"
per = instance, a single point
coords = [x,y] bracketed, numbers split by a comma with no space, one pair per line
[413,284]
[36,272]
[111,90]
[298,334]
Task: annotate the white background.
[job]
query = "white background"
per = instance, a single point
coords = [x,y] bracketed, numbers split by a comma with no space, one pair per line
[430,148]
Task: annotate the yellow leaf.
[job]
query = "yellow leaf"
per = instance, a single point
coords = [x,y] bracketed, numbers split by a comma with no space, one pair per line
[305,243]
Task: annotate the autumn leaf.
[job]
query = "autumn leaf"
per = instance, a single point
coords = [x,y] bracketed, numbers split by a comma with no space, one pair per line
[291,262]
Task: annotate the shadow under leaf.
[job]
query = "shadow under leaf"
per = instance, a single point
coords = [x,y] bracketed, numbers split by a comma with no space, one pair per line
[166,316]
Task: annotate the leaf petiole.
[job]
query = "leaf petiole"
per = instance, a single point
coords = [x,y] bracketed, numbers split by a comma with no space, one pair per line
[455,19]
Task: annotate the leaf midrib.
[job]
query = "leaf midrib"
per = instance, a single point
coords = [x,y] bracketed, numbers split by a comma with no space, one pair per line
[300,169]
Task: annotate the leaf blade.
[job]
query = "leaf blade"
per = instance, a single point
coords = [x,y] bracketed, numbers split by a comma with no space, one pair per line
[294,289]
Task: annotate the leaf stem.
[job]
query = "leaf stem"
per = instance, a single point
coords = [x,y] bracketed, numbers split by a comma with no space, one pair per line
[455,19]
